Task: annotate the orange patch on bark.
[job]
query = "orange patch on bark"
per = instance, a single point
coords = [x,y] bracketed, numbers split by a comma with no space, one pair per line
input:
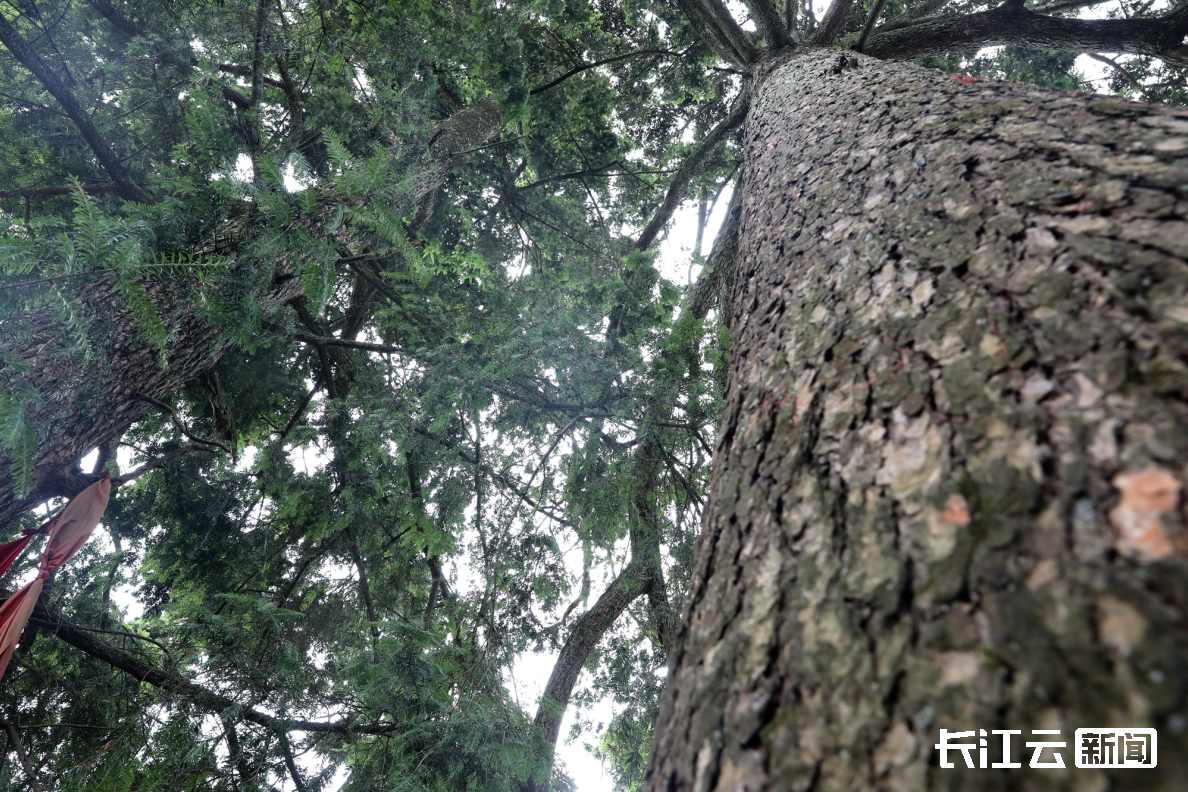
[956,510]
[1146,496]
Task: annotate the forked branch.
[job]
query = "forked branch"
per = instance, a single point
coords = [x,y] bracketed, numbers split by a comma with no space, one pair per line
[832,22]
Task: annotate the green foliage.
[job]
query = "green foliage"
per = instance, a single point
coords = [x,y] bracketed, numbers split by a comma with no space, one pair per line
[18,436]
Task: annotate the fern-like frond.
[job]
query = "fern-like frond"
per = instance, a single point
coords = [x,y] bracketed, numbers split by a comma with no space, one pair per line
[18,436]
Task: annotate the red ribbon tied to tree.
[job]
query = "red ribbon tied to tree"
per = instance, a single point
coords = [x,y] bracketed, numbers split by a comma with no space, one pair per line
[68,532]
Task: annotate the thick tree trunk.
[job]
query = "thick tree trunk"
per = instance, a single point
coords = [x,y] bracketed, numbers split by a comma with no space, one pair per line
[947,485]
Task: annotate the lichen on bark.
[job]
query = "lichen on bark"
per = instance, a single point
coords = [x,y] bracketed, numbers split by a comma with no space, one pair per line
[947,484]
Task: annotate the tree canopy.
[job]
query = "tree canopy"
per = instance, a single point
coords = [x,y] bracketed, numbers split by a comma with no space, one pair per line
[358,303]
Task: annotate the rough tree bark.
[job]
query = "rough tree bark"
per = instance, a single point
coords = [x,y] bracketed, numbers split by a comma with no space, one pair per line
[82,410]
[946,492]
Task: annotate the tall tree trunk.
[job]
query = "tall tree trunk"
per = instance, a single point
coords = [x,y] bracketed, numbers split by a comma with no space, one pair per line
[946,492]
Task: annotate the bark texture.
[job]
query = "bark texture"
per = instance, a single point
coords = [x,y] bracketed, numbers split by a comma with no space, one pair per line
[86,407]
[947,485]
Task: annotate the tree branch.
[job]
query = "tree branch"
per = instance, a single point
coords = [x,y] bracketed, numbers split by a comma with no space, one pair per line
[116,17]
[14,739]
[103,151]
[1130,78]
[244,71]
[691,167]
[834,17]
[257,73]
[579,69]
[1064,5]
[587,631]
[345,342]
[159,462]
[717,269]
[644,574]
[235,753]
[364,586]
[180,426]
[38,192]
[918,13]
[503,479]
[1161,37]
[433,562]
[718,29]
[871,19]
[293,98]
[174,685]
[290,763]
[597,171]
[299,412]
[771,27]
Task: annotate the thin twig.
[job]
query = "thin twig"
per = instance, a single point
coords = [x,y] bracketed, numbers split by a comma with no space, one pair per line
[52,279]
[159,462]
[14,737]
[1130,78]
[343,342]
[37,192]
[297,415]
[34,105]
[489,145]
[552,446]
[180,426]
[579,69]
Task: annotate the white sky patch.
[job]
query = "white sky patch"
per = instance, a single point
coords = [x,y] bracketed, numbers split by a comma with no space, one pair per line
[293,181]
[739,11]
[1095,72]
[364,90]
[244,172]
[675,261]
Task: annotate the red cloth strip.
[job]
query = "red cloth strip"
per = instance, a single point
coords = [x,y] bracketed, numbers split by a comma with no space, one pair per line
[12,551]
[68,532]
